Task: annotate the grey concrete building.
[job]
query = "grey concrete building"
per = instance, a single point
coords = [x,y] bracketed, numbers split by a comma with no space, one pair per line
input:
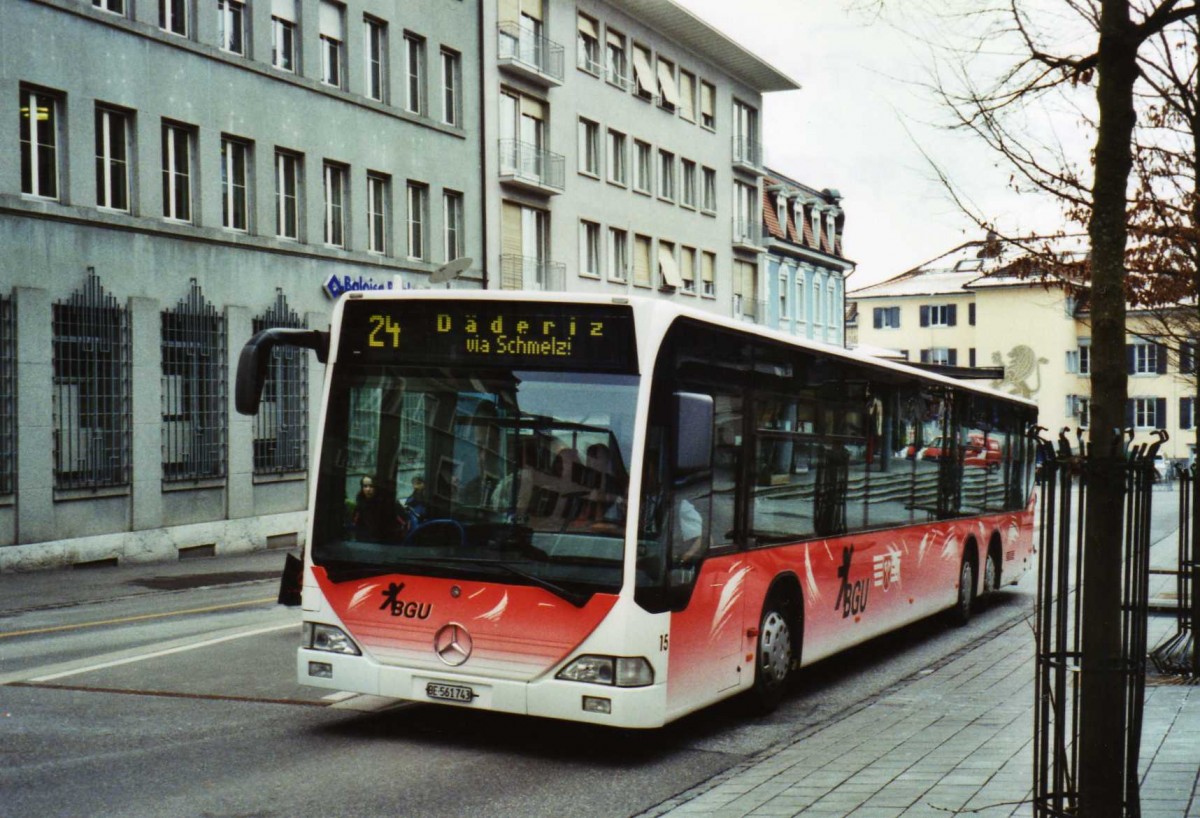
[185,172]
[624,152]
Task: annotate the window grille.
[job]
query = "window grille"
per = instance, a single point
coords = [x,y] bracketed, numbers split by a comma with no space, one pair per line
[281,426]
[8,396]
[92,420]
[193,389]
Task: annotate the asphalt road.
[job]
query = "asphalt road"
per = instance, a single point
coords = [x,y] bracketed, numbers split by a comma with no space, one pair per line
[170,691]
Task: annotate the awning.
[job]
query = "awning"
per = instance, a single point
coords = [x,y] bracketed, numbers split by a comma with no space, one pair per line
[666,81]
[587,26]
[643,72]
[668,268]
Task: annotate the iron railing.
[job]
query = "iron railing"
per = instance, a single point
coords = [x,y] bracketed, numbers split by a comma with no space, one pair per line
[530,273]
[8,396]
[525,46]
[529,163]
[91,398]
[747,151]
[1177,655]
[747,232]
[281,425]
[1064,476]
[193,390]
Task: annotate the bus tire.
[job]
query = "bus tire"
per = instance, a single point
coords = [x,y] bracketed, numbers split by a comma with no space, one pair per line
[991,570]
[775,655]
[960,614]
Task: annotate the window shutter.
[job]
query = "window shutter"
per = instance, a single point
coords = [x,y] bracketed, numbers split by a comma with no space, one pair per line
[971,314]
[1161,362]
[1185,413]
[1129,412]
[879,318]
[924,316]
[924,354]
[1160,412]
[953,357]
[971,357]
[952,315]
[1187,358]
[1130,359]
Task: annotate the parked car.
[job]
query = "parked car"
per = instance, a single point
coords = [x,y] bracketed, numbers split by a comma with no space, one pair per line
[979,452]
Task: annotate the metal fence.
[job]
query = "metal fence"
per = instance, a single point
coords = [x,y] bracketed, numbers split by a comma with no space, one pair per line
[527,162]
[91,397]
[1064,476]
[8,396]
[530,273]
[193,390]
[281,425]
[1177,654]
[526,46]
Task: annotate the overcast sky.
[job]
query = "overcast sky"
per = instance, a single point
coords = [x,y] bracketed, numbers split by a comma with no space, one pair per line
[855,126]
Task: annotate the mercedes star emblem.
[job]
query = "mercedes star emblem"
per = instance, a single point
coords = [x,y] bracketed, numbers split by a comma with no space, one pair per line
[452,644]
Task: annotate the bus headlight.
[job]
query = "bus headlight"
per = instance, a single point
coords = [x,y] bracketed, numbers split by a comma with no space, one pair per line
[316,636]
[621,671]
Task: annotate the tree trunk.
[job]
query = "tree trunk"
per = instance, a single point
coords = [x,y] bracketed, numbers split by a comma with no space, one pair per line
[1102,678]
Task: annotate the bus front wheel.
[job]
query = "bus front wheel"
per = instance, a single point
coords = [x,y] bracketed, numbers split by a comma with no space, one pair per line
[774,656]
[960,614]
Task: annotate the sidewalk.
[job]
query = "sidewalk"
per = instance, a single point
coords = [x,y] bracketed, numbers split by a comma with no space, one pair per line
[953,739]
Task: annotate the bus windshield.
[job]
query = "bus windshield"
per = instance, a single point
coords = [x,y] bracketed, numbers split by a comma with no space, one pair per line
[496,473]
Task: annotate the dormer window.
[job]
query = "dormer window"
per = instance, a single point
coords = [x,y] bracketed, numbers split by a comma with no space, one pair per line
[781,211]
[798,219]
[830,229]
[816,226]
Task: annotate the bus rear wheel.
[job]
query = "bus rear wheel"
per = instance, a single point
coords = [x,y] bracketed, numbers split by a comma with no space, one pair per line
[774,656]
[960,614]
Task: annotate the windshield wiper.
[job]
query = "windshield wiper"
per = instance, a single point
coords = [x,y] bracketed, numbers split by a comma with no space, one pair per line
[574,597]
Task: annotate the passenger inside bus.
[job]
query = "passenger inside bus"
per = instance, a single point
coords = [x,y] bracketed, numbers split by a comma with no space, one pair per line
[374,513]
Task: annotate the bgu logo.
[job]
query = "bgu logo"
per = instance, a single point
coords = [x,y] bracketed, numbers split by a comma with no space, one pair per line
[409,610]
[886,570]
[851,596]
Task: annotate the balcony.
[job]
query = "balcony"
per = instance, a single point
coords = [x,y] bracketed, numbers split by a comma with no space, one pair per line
[526,53]
[749,309]
[531,273]
[531,168]
[747,235]
[747,154]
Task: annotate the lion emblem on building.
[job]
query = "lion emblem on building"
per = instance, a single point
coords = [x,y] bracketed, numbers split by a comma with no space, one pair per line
[1023,366]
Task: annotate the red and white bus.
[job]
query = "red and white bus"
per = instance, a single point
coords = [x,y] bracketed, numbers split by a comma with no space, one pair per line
[618,511]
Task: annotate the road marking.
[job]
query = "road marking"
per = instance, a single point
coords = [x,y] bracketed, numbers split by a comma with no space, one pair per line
[139,618]
[167,652]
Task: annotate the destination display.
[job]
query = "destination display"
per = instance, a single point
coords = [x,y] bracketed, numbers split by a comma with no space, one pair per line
[523,334]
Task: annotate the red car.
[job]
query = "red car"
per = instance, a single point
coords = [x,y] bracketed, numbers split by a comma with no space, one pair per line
[975,454]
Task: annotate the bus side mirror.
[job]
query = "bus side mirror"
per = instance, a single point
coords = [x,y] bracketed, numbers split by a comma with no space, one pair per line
[694,433]
[256,354]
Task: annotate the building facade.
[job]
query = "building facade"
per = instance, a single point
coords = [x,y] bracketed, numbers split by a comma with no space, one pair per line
[968,309]
[624,152]
[806,265]
[184,173]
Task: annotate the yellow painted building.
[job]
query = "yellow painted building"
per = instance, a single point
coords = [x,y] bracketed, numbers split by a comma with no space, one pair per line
[962,309]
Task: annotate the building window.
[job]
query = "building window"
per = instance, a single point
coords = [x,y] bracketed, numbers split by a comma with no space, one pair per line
[588,45]
[112,159]
[687,96]
[1147,413]
[1079,407]
[418,204]
[643,171]
[1187,358]
[589,249]
[801,291]
[173,16]
[747,220]
[708,105]
[1146,358]
[615,59]
[335,205]
[666,175]
[39,144]
[193,390]
[91,390]
[589,147]
[379,194]
[452,215]
[451,88]
[668,93]
[177,172]
[687,196]
[287,195]
[687,269]
[618,254]
[375,55]
[1079,361]
[938,315]
[616,158]
[8,396]
[235,157]
[113,6]
[941,356]
[709,203]
[231,26]
[281,425]
[332,37]
[886,317]
[641,261]
[783,297]
[643,74]
[283,34]
[1187,413]
[414,98]
[745,289]
[708,266]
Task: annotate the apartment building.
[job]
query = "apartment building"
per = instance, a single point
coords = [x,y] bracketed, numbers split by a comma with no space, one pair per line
[623,152]
[968,309]
[178,174]
[806,266]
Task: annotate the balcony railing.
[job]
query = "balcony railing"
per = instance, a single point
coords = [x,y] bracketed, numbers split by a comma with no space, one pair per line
[531,166]
[749,309]
[747,152]
[747,233]
[535,56]
[531,273]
